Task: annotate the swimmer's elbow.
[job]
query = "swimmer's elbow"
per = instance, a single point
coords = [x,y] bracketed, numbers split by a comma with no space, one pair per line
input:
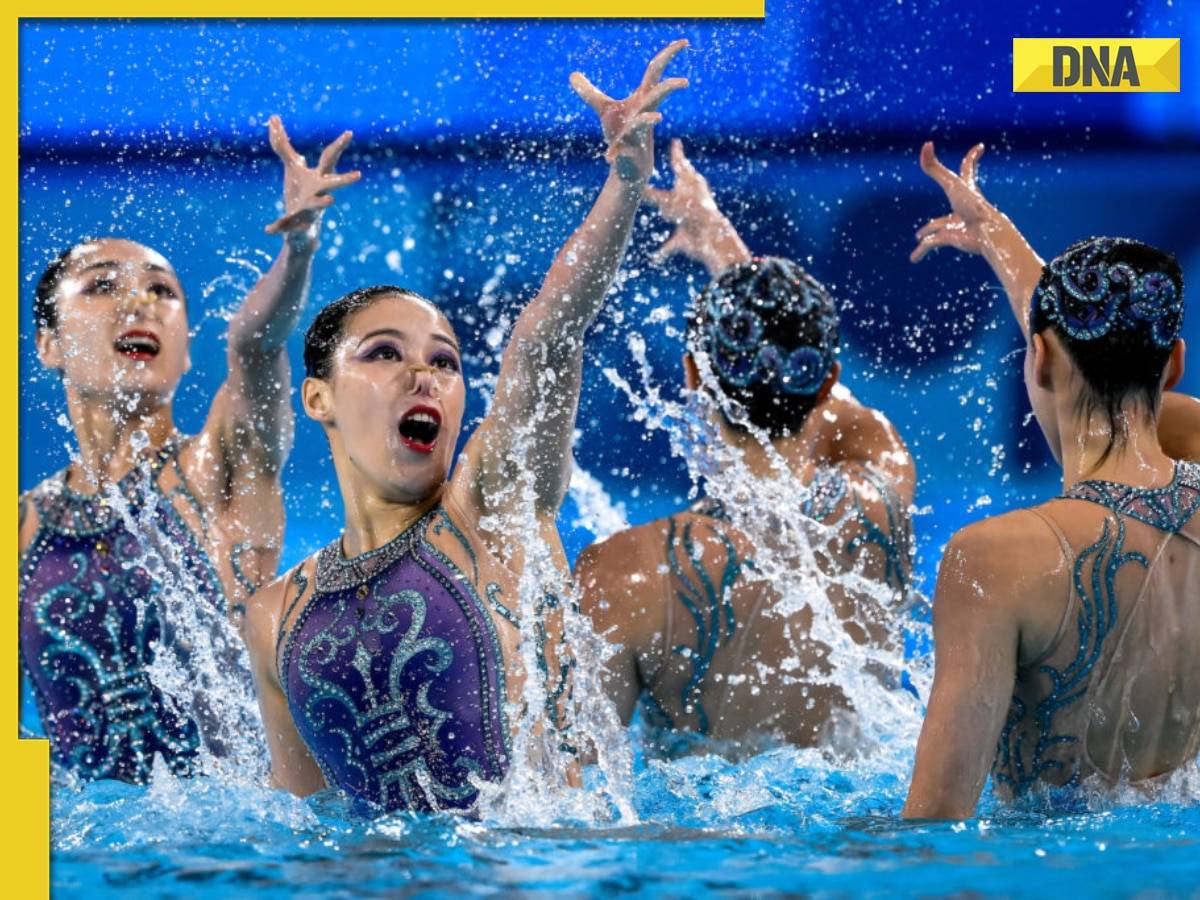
[299,781]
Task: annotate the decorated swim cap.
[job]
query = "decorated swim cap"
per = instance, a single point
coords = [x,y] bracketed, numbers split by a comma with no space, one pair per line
[1104,286]
[770,332]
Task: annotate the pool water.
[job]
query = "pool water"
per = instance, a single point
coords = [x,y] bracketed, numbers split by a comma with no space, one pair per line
[786,821]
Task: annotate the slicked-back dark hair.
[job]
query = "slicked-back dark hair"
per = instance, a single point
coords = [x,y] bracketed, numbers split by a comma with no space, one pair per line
[45,312]
[770,331]
[1117,307]
[329,326]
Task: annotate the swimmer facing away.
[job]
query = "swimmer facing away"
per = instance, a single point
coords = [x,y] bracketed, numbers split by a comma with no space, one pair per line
[699,643]
[385,663]
[1080,664]
[111,319]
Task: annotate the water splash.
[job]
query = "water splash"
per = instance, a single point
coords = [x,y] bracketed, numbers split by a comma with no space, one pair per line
[200,664]
[768,510]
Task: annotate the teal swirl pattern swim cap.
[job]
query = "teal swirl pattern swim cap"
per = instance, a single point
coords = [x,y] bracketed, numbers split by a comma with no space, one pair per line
[1104,285]
[770,332]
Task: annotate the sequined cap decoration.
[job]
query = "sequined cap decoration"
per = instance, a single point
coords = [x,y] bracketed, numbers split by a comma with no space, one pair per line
[740,328]
[1088,295]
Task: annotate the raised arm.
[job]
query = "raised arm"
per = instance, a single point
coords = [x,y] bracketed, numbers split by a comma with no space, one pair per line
[702,231]
[973,225]
[251,415]
[538,388]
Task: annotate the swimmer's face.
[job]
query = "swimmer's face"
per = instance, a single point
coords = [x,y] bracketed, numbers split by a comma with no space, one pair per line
[393,404]
[122,332]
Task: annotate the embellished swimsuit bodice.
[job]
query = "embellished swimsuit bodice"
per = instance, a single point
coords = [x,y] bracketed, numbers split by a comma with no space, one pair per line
[394,676]
[1117,692]
[90,621]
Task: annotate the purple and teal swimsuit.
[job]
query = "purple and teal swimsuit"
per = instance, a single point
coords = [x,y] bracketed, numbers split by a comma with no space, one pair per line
[394,675]
[90,621]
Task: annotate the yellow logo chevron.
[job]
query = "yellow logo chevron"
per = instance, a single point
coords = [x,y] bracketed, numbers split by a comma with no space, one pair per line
[1065,65]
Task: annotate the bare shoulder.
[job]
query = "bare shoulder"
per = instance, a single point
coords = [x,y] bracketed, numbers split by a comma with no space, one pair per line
[620,581]
[623,554]
[1179,426]
[29,506]
[27,521]
[1019,536]
[870,438]
[1012,561]
[268,607]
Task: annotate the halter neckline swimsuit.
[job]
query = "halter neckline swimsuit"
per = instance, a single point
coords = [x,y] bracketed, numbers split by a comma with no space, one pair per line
[394,676]
[90,620]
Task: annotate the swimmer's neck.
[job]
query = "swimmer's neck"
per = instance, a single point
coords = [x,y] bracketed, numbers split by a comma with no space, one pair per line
[104,435]
[1138,461]
[800,450]
[372,520]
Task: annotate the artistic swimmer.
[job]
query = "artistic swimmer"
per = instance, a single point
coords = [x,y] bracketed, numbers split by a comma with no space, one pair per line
[112,320]
[385,664]
[1079,666]
[701,646]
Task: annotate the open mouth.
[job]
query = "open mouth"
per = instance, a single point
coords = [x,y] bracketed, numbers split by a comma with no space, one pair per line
[419,428]
[138,345]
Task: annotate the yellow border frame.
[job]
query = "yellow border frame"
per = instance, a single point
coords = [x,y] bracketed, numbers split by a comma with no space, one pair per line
[25,763]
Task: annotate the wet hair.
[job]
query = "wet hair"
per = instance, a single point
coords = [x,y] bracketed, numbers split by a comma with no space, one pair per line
[1117,307]
[327,329]
[45,312]
[770,332]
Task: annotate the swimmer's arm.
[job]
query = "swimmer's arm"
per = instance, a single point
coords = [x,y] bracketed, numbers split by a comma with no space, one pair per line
[702,231]
[557,666]
[1015,264]
[252,414]
[531,425]
[292,767]
[976,226]
[603,573]
[976,634]
[1179,426]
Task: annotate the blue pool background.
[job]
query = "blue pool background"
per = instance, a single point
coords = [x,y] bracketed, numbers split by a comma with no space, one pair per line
[478,161]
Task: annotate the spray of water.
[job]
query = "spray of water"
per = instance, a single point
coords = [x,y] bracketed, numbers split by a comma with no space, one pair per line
[200,664]
[788,544]
[564,709]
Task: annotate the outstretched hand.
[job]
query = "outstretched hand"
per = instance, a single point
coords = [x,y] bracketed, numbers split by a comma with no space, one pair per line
[629,124]
[690,205]
[306,191]
[969,211]
[702,232]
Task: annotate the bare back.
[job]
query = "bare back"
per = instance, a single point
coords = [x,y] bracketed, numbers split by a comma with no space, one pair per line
[706,646]
[1116,691]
